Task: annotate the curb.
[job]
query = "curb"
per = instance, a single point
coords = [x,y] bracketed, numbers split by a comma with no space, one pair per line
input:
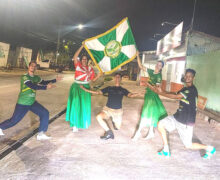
[19,143]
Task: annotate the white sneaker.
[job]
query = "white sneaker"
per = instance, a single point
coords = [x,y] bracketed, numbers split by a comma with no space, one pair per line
[42,137]
[75,129]
[136,136]
[149,136]
[1,132]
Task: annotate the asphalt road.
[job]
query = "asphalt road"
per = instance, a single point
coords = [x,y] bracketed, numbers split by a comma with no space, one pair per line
[53,99]
[83,155]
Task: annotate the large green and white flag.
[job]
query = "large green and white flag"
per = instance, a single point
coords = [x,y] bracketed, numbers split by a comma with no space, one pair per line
[112,49]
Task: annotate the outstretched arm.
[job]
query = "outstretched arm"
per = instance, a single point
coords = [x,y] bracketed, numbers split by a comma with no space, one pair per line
[76,55]
[159,91]
[90,91]
[139,62]
[98,76]
[58,78]
[43,82]
[37,87]
[131,95]
[171,96]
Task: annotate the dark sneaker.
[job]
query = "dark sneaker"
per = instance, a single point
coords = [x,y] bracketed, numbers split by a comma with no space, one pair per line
[108,135]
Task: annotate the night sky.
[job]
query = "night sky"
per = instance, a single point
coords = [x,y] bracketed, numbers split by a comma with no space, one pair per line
[35,23]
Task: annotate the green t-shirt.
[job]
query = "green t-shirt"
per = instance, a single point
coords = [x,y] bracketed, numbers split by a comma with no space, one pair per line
[154,78]
[27,95]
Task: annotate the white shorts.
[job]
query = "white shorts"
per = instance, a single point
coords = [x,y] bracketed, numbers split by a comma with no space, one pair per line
[185,131]
[116,114]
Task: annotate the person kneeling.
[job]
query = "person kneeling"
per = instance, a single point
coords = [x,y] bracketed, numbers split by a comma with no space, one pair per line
[113,108]
[184,119]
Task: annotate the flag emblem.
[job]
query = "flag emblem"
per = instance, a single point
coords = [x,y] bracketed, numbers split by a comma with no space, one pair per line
[112,49]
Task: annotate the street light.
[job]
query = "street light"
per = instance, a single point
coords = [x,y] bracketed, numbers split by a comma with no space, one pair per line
[58,44]
[80,26]
[164,23]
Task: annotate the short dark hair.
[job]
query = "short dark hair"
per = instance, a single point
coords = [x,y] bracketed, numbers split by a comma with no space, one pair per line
[161,63]
[117,73]
[32,62]
[191,71]
[82,57]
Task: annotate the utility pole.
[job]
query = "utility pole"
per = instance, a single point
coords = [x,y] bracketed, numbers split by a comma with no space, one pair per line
[58,44]
[193,16]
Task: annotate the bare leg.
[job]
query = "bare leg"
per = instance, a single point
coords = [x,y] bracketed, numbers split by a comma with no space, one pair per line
[108,132]
[210,150]
[100,118]
[165,151]
[197,146]
[150,133]
[138,132]
[163,134]
[118,125]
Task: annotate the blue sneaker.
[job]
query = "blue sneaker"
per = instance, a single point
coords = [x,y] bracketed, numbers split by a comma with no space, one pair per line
[209,153]
[164,153]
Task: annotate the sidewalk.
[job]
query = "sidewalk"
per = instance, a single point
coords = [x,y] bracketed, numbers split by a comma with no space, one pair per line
[84,155]
[19,72]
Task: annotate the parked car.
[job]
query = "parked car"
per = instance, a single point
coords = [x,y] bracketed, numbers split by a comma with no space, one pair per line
[59,68]
[43,64]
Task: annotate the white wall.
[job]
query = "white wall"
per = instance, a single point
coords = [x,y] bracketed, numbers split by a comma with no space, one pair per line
[4,50]
[178,69]
[23,52]
[148,63]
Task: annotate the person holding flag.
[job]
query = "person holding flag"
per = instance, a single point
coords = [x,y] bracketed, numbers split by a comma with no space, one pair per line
[109,51]
[78,111]
[153,109]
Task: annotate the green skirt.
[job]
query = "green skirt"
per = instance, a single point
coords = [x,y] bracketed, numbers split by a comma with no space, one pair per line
[153,109]
[78,111]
